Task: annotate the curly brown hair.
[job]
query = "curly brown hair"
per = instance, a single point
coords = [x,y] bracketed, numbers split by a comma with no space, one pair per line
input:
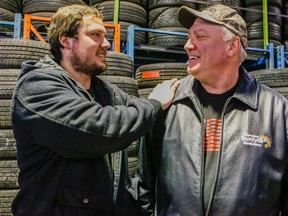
[66,21]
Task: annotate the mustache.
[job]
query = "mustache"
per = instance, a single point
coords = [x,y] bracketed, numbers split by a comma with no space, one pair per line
[102,52]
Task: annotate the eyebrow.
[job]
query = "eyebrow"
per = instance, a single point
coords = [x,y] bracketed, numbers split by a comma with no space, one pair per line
[196,31]
[102,31]
[199,30]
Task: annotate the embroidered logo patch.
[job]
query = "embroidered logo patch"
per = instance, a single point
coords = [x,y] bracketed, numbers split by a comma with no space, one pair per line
[258,141]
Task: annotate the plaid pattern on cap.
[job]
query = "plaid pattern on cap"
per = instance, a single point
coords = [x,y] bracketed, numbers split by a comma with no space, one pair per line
[218,14]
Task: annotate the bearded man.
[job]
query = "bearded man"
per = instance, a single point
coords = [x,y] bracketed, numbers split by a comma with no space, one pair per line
[67,123]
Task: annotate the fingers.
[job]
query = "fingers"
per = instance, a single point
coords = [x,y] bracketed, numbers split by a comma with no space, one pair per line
[169,82]
[175,85]
[165,92]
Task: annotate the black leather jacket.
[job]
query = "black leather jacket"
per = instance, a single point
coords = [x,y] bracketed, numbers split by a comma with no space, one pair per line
[64,138]
[252,165]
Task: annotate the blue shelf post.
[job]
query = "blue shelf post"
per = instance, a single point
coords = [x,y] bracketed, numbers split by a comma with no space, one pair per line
[17,26]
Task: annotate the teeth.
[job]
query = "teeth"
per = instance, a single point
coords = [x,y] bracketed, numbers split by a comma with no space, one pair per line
[194,57]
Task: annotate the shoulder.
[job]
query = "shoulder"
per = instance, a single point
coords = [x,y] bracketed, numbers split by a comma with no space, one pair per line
[42,76]
[273,97]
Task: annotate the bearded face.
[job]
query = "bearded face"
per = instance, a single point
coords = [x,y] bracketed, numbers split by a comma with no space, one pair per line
[89,48]
[88,64]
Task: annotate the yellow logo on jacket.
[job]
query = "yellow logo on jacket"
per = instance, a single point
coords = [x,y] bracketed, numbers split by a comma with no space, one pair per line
[258,141]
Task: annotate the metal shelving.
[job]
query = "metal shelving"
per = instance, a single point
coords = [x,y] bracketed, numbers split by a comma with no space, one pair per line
[16,24]
[28,29]
[161,54]
[282,61]
[143,53]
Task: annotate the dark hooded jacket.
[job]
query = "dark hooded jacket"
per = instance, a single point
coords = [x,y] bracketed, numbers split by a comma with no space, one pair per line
[64,139]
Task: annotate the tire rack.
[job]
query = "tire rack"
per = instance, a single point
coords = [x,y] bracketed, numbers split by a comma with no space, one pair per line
[16,24]
[28,27]
[267,59]
[130,46]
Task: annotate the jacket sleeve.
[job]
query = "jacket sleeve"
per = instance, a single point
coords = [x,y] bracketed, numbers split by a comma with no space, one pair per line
[284,186]
[284,196]
[74,126]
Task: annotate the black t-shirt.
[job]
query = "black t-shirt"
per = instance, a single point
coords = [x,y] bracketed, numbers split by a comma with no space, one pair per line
[97,94]
[212,106]
[91,91]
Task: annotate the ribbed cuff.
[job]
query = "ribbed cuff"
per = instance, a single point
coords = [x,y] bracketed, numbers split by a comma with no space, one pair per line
[157,107]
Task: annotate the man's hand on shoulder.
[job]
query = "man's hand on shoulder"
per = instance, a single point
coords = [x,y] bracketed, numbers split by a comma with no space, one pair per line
[165,92]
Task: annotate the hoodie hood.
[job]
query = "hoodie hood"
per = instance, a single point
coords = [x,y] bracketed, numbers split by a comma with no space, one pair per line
[46,62]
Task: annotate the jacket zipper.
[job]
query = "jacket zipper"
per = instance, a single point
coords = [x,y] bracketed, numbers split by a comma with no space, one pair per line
[203,123]
[116,167]
[219,156]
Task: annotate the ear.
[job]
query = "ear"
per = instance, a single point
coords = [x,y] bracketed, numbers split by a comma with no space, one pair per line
[234,46]
[65,41]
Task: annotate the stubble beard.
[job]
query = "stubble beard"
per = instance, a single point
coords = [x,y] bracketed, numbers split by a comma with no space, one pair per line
[80,65]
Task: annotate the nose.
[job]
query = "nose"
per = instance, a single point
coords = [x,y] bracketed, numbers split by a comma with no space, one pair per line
[188,46]
[106,45]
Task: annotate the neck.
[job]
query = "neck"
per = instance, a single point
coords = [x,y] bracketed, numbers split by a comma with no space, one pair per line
[222,83]
[83,79]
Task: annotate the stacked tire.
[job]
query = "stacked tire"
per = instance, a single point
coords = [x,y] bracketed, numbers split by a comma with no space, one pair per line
[7,10]
[285,26]
[8,164]
[149,75]
[44,8]
[12,53]
[276,79]
[131,12]
[254,19]
[236,4]
[119,72]
[163,17]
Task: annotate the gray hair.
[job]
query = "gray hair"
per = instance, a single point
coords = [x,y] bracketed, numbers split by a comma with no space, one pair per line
[228,35]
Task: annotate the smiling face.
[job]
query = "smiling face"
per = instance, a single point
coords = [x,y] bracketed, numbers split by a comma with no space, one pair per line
[89,48]
[206,49]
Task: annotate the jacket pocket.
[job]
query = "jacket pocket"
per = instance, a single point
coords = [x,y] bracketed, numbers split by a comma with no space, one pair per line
[85,197]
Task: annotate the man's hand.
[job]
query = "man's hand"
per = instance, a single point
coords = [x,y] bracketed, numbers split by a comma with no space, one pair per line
[165,92]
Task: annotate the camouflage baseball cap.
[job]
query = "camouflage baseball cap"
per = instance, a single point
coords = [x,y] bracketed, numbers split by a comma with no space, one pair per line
[218,14]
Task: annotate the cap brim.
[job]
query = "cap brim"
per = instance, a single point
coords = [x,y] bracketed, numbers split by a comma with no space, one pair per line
[186,17]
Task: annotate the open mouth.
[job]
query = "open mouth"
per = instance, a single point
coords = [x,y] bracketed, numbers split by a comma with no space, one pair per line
[194,57]
[101,55]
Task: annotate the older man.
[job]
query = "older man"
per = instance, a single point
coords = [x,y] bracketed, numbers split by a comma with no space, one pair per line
[221,148]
